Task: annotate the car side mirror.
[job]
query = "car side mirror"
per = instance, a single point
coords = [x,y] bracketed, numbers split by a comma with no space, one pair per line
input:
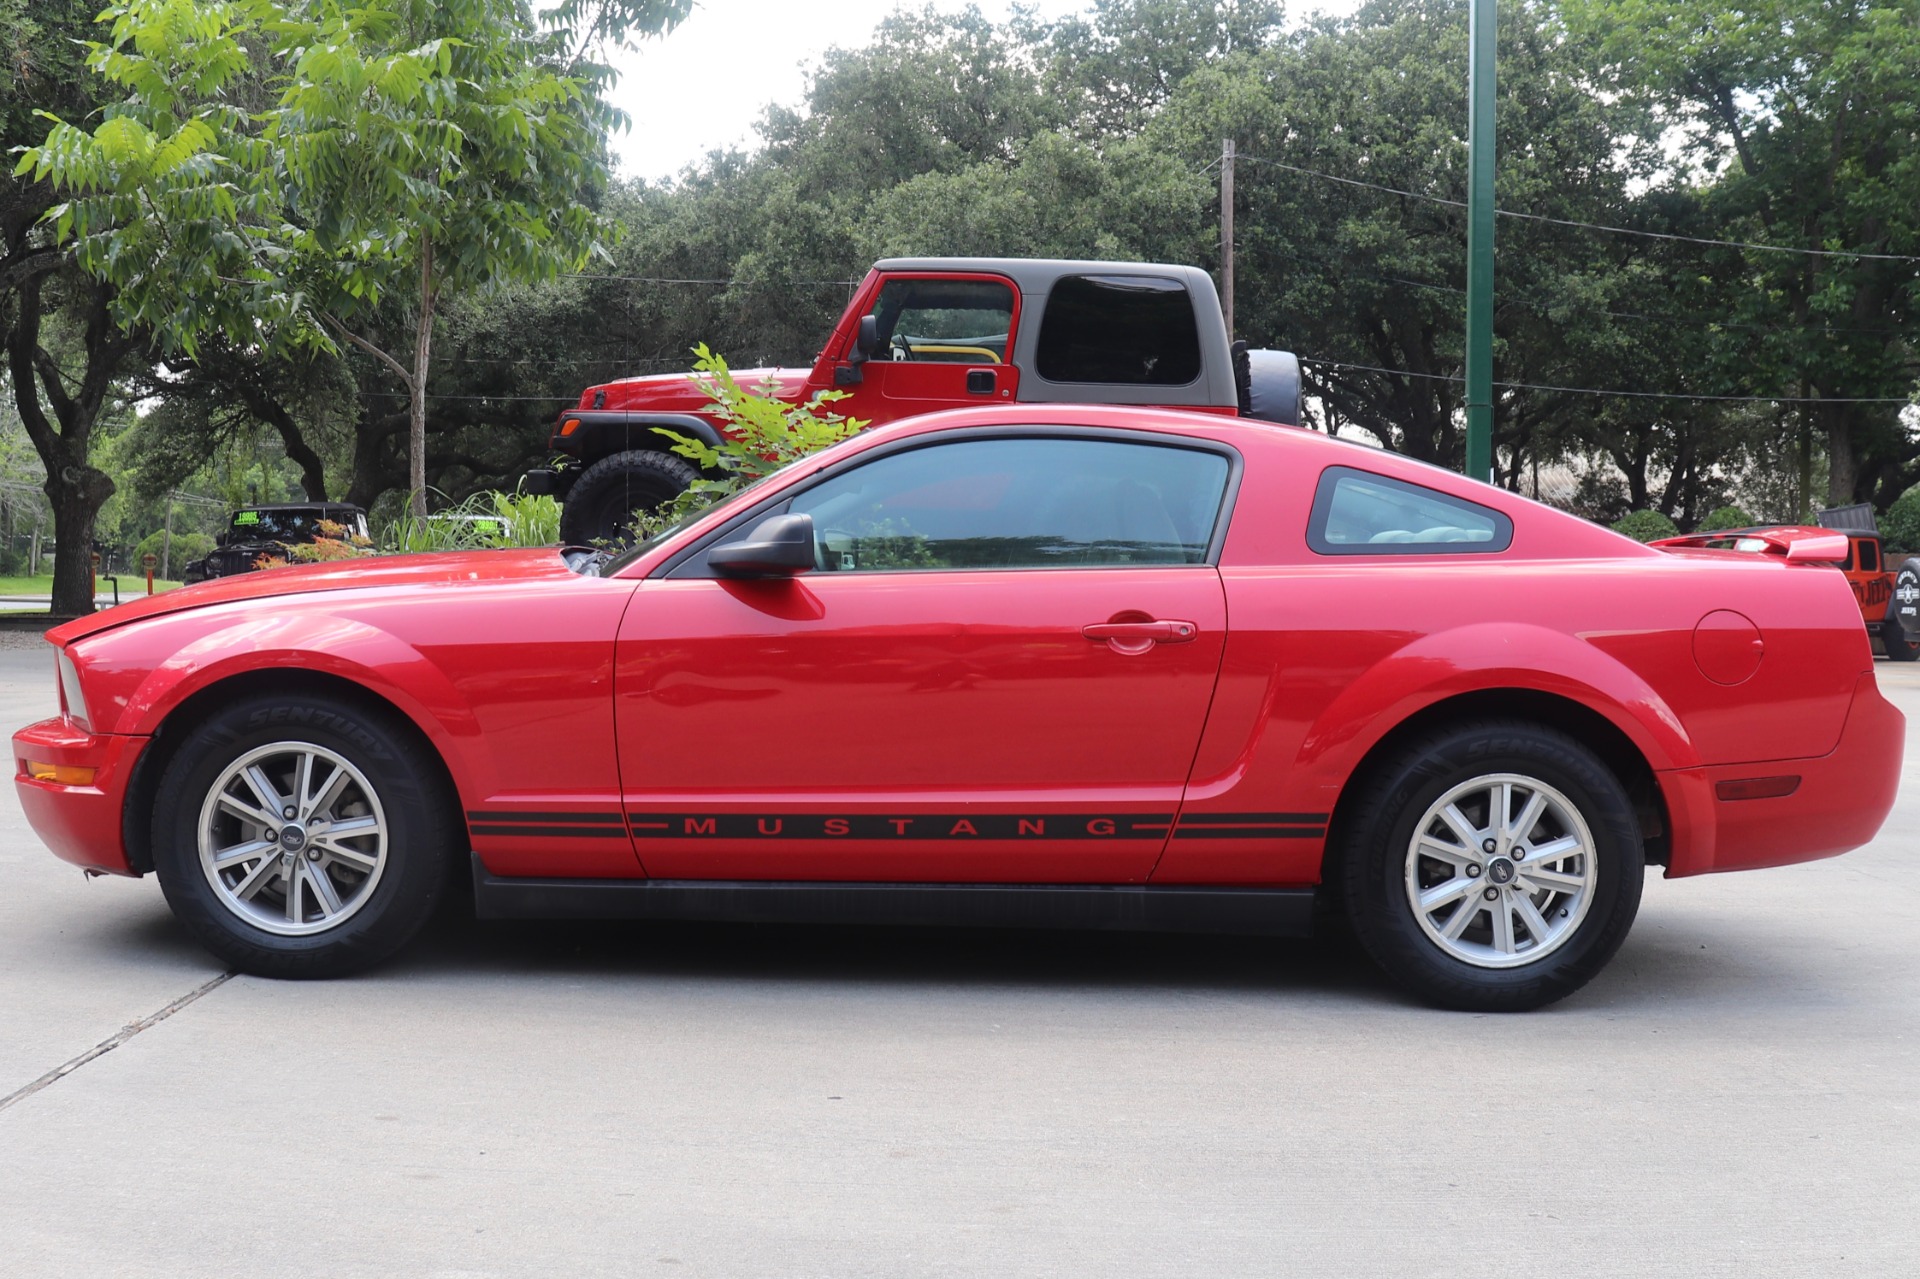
[865,340]
[777,547]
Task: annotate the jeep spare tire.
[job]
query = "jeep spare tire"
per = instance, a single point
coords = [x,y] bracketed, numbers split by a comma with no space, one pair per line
[1901,628]
[600,507]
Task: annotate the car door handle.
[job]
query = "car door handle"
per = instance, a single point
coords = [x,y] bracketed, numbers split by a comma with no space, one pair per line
[1138,637]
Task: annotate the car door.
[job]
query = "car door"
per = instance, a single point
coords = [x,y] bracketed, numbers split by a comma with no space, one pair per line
[997,673]
[943,341]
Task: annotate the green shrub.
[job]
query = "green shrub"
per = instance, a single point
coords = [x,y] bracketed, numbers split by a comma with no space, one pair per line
[1900,526]
[186,547]
[1724,517]
[760,434]
[1645,526]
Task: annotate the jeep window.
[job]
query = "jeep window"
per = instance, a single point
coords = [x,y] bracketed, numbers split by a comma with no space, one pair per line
[944,321]
[1360,513]
[1132,330]
[1019,503]
[1869,556]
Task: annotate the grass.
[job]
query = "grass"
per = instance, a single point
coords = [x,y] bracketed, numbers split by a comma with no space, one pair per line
[130,585]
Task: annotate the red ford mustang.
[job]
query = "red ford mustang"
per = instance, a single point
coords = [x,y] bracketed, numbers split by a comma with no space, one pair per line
[1105,668]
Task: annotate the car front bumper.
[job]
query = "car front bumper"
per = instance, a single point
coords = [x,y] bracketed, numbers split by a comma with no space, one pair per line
[80,823]
[1839,803]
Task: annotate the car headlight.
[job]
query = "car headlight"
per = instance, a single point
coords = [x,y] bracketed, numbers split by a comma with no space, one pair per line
[73,702]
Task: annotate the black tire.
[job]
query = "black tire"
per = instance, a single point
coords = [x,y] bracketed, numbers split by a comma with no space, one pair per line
[1900,631]
[380,908]
[1380,871]
[600,506]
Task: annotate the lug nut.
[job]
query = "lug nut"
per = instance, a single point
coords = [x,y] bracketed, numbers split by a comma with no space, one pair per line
[1473,872]
[1493,894]
[1486,845]
[273,835]
[287,811]
[313,854]
[1519,854]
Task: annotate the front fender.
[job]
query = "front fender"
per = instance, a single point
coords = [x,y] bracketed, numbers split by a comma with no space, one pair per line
[1480,658]
[349,648]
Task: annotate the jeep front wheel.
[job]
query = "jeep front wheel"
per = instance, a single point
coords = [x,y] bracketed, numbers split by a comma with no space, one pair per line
[600,506]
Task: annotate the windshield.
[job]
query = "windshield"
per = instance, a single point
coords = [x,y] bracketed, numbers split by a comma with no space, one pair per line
[274,526]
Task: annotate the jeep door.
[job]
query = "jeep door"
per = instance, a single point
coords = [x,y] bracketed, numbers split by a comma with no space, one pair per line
[944,341]
[998,671]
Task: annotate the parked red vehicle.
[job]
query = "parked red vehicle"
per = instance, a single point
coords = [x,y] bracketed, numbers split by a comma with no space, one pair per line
[924,334]
[1089,667]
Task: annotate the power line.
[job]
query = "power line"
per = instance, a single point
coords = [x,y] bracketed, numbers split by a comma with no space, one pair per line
[1585,226]
[1636,395]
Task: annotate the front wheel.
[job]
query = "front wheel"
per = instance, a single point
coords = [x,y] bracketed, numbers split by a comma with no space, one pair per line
[302,836]
[1493,866]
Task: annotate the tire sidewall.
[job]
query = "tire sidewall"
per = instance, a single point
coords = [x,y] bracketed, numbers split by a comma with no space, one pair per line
[1901,623]
[1375,864]
[419,847]
[613,487]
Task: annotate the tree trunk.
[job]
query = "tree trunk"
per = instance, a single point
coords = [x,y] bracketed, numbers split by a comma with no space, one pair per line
[1843,465]
[75,489]
[417,393]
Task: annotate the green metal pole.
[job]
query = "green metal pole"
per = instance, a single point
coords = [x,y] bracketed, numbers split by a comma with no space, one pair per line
[1480,28]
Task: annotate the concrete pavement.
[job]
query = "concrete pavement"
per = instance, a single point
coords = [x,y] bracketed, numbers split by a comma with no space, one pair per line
[1735,1096]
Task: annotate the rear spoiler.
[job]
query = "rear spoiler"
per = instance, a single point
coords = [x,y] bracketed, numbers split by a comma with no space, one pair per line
[1796,543]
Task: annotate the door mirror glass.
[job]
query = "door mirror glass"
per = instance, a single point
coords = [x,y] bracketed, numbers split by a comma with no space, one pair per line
[777,547]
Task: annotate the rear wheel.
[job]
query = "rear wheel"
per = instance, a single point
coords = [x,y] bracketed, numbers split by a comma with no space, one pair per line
[301,836]
[1493,866]
[1894,638]
[600,506]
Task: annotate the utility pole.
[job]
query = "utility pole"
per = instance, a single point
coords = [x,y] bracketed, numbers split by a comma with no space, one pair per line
[166,544]
[1480,38]
[1226,234]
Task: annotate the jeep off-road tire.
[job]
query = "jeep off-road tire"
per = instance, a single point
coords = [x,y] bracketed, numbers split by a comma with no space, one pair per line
[301,835]
[600,506]
[1494,866]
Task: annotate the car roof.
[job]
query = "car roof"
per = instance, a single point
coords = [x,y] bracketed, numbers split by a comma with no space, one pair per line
[1036,276]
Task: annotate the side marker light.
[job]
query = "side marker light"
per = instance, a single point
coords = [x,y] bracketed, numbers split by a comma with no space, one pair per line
[1757,787]
[60,774]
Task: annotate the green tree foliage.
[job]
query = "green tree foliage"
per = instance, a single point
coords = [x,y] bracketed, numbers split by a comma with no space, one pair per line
[1801,117]
[1900,526]
[410,148]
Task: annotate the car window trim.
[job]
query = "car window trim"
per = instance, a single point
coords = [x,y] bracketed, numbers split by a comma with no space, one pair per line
[689,562]
[1322,508]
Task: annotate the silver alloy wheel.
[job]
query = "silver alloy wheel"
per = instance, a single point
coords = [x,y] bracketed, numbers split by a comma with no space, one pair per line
[292,838]
[1500,871]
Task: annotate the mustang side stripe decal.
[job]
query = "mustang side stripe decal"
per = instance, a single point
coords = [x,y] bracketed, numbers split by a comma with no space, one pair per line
[829,826]
[1252,826]
[496,825]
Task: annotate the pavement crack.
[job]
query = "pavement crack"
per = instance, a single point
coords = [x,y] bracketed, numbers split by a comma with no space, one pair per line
[107,1045]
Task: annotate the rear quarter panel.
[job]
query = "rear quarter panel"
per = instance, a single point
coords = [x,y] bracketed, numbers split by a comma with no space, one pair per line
[1326,655]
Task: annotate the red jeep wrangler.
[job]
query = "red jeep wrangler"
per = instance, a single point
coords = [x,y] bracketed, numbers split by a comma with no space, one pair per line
[923,334]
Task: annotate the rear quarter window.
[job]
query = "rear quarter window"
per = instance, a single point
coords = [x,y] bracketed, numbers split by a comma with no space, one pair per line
[1359,513]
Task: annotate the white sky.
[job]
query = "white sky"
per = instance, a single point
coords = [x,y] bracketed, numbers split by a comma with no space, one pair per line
[705,85]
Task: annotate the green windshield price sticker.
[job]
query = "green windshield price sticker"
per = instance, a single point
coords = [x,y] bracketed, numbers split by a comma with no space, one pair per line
[247,517]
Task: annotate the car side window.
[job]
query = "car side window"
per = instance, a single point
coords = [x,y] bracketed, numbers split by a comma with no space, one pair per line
[1135,330]
[943,321]
[1869,556]
[1018,503]
[1359,513]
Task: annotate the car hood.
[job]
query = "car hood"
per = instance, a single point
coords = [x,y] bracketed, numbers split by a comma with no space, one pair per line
[341,575]
[685,392]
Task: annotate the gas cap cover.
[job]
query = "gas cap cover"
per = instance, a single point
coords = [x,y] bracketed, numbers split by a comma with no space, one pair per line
[1727,647]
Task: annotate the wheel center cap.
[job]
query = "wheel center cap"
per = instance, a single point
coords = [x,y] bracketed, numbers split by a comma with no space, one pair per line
[1500,871]
[293,837]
